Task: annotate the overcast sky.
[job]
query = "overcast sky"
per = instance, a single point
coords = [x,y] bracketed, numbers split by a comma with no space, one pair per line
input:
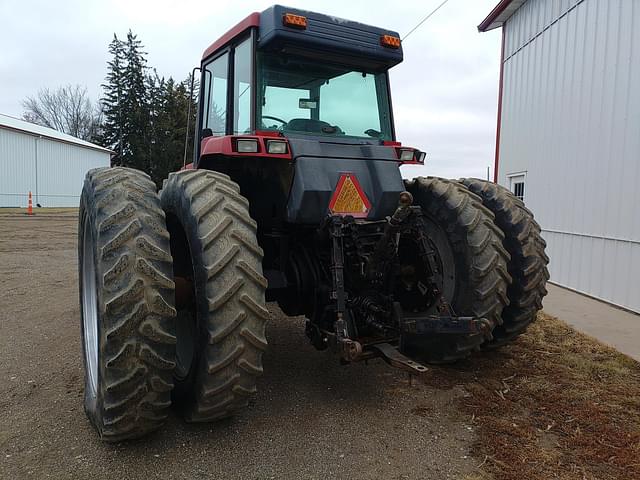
[444,93]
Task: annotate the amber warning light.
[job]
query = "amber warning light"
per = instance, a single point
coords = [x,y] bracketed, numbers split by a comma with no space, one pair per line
[390,41]
[349,198]
[295,21]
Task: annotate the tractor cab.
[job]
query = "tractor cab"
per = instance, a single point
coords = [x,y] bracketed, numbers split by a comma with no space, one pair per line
[297,73]
[292,99]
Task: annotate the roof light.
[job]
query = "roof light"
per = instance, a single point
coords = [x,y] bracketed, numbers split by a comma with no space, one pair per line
[390,41]
[294,21]
[247,145]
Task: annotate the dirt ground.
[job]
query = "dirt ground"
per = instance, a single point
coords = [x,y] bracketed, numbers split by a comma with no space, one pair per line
[311,419]
[555,404]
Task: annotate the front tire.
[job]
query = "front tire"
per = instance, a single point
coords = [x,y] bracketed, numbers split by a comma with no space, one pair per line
[462,230]
[126,303]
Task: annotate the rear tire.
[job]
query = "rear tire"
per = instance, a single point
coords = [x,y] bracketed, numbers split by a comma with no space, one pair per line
[220,252]
[528,264]
[480,274]
[126,304]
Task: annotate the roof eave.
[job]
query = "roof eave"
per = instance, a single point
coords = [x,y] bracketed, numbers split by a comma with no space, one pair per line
[500,14]
[89,145]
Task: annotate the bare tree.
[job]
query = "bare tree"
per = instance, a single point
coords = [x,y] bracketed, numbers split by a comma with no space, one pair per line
[67,109]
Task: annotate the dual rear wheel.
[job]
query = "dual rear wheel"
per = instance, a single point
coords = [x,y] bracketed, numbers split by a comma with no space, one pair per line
[172,294]
[500,267]
[142,348]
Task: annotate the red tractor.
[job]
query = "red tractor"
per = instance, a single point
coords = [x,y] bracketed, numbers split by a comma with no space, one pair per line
[294,196]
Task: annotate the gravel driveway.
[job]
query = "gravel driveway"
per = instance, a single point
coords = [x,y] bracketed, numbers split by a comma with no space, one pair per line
[312,418]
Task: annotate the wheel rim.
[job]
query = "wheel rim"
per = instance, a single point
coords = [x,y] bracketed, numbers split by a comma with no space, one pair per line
[446,263]
[185,347]
[445,258]
[89,308]
[186,320]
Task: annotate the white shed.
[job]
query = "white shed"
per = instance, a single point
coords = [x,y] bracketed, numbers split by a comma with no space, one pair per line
[568,136]
[50,164]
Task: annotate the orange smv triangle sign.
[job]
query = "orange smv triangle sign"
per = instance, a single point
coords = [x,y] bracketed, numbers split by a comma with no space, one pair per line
[349,198]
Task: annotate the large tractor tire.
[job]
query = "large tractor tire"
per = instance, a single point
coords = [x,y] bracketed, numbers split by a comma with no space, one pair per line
[126,303]
[221,294]
[528,264]
[473,262]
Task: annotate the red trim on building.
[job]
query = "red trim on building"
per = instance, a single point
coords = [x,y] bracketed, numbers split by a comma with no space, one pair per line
[495,13]
[499,119]
[252,20]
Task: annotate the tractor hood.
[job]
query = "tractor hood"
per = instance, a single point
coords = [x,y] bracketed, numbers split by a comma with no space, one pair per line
[327,38]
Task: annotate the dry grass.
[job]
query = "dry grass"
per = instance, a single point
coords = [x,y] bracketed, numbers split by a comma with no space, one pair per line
[554,404]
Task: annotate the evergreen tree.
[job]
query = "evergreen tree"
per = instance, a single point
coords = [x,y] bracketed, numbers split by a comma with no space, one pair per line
[145,115]
[155,107]
[190,109]
[135,104]
[112,101]
[170,128]
[126,104]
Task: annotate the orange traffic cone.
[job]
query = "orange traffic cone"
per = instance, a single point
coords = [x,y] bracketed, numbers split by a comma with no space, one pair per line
[30,205]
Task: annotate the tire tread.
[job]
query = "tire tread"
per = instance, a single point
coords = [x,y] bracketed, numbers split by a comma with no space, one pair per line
[469,226]
[231,306]
[134,277]
[528,263]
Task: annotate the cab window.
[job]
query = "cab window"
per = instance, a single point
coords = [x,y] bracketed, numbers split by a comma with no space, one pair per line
[242,93]
[215,99]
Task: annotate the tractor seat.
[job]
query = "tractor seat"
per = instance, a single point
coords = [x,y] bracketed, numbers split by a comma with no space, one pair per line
[307,125]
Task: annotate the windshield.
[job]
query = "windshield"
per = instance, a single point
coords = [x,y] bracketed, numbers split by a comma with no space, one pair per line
[298,96]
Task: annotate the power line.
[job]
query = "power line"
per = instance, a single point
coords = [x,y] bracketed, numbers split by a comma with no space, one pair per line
[424,19]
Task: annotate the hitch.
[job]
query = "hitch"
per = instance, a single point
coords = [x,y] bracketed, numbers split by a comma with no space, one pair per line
[392,325]
[443,323]
[393,357]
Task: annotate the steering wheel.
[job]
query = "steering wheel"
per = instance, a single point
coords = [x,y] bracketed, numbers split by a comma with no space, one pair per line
[283,122]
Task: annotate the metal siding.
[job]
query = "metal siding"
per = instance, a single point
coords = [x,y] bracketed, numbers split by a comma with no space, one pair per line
[61,168]
[571,121]
[61,171]
[17,162]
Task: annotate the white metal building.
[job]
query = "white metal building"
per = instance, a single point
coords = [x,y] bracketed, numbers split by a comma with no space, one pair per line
[568,136]
[50,164]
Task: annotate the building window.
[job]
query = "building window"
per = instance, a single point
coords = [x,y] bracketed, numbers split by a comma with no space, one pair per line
[518,190]
[516,184]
